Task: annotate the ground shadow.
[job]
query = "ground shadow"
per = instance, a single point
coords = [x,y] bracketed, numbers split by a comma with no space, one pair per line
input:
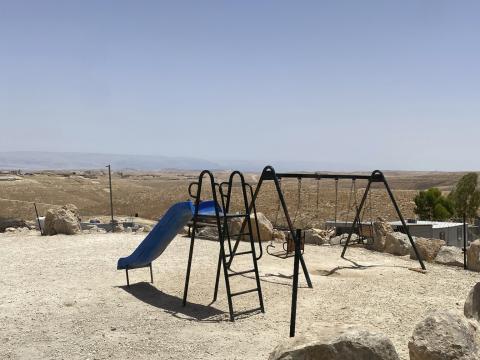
[173,305]
[355,266]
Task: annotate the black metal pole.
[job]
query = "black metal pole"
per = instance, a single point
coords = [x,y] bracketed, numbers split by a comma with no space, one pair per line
[111,196]
[38,220]
[293,312]
[465,265]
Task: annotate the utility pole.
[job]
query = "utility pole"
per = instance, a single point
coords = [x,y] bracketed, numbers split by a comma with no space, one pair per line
[111,196]
[465,265]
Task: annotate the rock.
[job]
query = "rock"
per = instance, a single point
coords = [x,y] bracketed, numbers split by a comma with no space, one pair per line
[278,235]
[381,229]
[64,220]
[317,236]
[450,255]
[11,230]
[342,343]
[128,230]
[443,336]
[118,228]
[473,256]
[427,248]
[471,309]
[12,223]
[147,228]
[139,230]
[208,232]
[265,228]
[341,239]
[397,243]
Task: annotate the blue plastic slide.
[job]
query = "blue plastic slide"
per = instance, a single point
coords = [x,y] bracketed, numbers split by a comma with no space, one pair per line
[163,233]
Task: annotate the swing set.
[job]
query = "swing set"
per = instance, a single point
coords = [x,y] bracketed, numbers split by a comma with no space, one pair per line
[269,174]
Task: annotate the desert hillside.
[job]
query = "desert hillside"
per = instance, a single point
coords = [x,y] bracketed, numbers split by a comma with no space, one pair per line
[150,194]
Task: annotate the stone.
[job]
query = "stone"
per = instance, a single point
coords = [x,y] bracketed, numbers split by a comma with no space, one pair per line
[63,220]
[318,236]
[471,309]
[473,256]
[208,232]
[444,335]
[278,235]
[381,229]
[397,243]
[11,230]
[450,255]
[119,228]
[265,228]
[340,343]
[427,248]
[341,239]
[128,230]
[12,223]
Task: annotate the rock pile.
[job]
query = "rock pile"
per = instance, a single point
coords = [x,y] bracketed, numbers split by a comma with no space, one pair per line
[63,220]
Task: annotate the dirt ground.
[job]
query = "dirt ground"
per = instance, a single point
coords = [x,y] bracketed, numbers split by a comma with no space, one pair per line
[61,297]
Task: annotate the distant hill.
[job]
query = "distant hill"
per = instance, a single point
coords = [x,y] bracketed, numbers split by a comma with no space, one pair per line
[30,160]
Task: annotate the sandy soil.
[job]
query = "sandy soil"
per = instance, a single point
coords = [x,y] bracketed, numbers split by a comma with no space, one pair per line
[61,297]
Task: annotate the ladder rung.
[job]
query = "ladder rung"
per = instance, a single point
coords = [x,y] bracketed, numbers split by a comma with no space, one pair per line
[239,253]
[248,311]
[242,272]
[243,292]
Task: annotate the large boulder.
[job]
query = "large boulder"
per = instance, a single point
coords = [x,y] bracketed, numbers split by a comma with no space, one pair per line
[63,220]
[265,228]
[381,229]
[471,309]
[444,335]
[473,256]
[343,343]
[428,249]
[450,255]
[397,243]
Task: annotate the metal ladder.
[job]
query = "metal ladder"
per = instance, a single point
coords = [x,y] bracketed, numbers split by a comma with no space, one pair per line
[222,217]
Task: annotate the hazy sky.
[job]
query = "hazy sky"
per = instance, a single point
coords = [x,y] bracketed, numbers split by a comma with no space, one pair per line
[377,84]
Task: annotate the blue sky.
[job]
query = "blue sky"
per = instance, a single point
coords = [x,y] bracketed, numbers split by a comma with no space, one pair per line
[366,84]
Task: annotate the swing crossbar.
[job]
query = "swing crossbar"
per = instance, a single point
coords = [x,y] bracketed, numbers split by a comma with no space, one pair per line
[319,176]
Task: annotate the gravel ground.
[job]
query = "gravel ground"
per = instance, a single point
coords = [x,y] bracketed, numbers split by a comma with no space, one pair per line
[61,297]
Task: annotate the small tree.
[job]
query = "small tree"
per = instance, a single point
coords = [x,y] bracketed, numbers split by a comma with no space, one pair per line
[432,205]
[466,197]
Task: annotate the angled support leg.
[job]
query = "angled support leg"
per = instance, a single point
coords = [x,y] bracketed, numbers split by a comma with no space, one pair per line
[151,273]
[189,267]
[400,216]
[128,280]
[217,279]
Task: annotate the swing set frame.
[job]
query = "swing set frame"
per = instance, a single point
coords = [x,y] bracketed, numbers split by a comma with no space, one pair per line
[269,174]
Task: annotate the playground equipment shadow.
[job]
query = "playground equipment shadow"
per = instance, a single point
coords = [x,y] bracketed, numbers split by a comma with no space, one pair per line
[171,304]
